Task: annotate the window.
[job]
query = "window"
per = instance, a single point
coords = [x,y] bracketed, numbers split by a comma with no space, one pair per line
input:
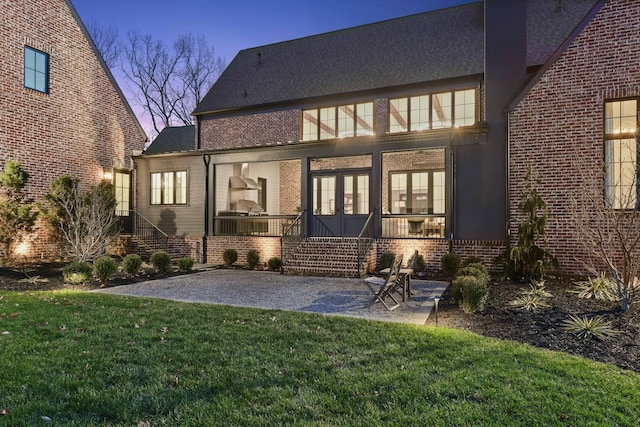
[356,194]
[36,70]
[337,122]
[324,195]
[122,184]
[621,152]
[169,188]
[417,192]
[432,111]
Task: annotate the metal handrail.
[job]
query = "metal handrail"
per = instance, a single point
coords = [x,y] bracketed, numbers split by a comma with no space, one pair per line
[148,232]
[295,222]
[287,233]
[365,239]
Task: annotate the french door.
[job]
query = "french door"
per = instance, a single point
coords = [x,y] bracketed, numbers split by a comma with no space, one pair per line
[340,202]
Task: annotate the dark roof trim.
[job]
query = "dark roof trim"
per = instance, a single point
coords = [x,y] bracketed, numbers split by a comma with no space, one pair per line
[114,83]
[556,55]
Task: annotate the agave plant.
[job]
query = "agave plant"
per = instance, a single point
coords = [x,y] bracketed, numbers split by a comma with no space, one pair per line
[601,288]
[537,288]
[585,327]
[529,301]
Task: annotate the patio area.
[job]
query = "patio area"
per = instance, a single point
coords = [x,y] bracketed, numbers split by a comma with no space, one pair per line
[269,290]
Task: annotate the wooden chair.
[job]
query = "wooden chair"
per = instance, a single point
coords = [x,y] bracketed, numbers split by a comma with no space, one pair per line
[385,287]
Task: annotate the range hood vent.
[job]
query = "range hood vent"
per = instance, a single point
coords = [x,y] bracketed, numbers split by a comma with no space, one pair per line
[242,183]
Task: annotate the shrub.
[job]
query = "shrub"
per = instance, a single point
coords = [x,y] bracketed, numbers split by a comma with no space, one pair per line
[386,260]
[471,260]
[474,296]
[420,265]
[77,272]
[104,268]
[526,260]
[161,261]
[229,256]
[450,263]
[253,258]
[274,263]
[477,270]
[469,292]
[131,264]
[185,264]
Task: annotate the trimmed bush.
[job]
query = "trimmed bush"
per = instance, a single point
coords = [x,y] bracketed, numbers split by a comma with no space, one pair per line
[274,263]
[471,260]
[477,270]
[450,263]
[132,264]
[185,264]
[420,265]
[386,260]
[229,256]
[474,296]
[77,272]
[104,268]
[161,261]
[253,258]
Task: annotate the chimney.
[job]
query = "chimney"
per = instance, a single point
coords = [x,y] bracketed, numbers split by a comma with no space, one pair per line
[505,50]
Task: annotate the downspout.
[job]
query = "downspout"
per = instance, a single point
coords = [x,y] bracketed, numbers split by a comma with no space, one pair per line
[452,203]
[206,158]
[507,208]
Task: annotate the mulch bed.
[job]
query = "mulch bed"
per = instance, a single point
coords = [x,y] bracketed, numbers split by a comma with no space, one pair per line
[543,327]
[499,319]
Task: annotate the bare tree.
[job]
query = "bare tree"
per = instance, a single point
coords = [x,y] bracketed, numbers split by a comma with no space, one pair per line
[604,218]
[85,223]
[169,82]
[107,41]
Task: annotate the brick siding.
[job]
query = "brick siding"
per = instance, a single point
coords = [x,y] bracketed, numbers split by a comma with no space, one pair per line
[562,117]
[82,126]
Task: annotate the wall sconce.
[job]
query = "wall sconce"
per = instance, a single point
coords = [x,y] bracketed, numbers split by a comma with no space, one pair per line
[108,175]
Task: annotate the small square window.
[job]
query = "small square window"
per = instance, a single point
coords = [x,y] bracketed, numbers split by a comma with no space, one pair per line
[36,70]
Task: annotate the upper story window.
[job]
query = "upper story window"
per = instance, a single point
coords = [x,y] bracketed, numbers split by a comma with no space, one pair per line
[337,122]
[433,111]
[621,153]
[36,70]
[169,188]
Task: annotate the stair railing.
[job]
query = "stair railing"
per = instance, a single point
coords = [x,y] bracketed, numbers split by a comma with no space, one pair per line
[292,230]
[148,233]
[365,240]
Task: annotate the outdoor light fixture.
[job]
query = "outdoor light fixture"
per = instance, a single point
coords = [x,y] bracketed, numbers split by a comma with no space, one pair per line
[108,175]
[436,300]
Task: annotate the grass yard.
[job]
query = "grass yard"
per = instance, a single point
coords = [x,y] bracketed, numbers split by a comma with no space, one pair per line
[77,358]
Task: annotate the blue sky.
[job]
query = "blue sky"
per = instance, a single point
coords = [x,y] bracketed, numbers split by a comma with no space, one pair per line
[233,25]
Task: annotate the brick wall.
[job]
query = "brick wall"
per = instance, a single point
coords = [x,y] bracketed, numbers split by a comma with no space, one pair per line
[561,118]
[82,126]
[290,187]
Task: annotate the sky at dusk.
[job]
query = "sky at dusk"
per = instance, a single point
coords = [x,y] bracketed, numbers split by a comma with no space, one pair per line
[230,26]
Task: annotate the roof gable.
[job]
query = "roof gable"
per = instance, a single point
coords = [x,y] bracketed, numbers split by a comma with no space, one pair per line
[173,139]
[426,47]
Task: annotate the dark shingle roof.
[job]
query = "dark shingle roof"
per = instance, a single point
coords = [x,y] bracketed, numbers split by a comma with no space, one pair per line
[172,139]
[430,46]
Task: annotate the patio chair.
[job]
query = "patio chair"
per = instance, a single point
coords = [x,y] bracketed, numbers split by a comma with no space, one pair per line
[385,287]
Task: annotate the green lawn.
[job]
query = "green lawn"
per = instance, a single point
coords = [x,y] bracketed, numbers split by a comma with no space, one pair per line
[91,359]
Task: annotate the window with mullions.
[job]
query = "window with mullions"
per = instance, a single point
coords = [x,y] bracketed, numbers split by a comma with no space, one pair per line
[169,188]
[337,122]
[36,70]
[621,153]
[417,192]
[432,111]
